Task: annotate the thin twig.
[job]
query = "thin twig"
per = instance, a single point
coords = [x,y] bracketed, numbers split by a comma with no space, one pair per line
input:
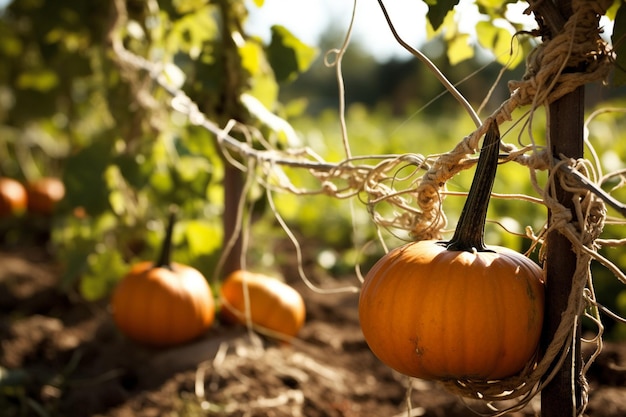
[584,182]
[433,68]
[340,82]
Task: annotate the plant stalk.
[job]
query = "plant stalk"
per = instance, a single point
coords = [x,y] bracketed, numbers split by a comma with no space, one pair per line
[163,261]
[470,231]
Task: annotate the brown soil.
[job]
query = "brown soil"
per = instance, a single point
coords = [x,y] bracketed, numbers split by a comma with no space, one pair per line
[62,356]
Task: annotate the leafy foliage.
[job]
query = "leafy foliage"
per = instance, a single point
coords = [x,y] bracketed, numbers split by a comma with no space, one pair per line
[126,158]
[494,31]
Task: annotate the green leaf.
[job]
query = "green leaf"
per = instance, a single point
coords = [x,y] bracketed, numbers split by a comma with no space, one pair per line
[161,181]
[135,169]
[251,55]
[499,41]
[105,270]
[263,81]
[39,80]
[189,33]
[491,3]
[619,45]
[193,175]
[288,55]
[190,168]
[188,6]
[10,45]
[84,176]
[75,261]
[117,198]
[437,11]
[459,49]
[203,237]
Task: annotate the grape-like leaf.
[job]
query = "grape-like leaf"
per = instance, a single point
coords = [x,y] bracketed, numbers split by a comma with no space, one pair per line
[437,11]
[288,55]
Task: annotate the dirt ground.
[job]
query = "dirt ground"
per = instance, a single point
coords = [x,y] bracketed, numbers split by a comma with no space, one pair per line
[62,356]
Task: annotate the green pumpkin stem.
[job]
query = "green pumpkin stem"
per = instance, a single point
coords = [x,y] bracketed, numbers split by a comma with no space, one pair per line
[470,231]
[163,261]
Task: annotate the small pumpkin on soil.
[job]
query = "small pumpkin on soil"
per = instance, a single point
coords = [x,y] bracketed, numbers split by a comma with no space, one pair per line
[44,194]
[13,197]
[270,304]
[163,303]
[457,309]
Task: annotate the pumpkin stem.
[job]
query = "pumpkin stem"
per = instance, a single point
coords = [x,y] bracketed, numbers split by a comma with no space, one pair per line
[470,231]
[163,261]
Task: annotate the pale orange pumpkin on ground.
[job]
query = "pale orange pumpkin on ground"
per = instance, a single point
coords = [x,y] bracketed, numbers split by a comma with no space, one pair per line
[44,194]
[13,197]
[457,309]
[273,305]
[163,304]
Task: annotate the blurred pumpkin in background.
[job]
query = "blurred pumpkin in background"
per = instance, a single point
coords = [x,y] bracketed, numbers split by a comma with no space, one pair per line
[13,197]
[44,194]
[268,304]
[163,303]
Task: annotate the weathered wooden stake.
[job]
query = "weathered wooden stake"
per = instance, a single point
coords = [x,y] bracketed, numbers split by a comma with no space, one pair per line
[232,15]
[562,396]
[233,189]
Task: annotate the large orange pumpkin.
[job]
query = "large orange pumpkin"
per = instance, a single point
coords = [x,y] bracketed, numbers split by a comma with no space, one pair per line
[272,304]
[163,303]
[433,313]
[455,310]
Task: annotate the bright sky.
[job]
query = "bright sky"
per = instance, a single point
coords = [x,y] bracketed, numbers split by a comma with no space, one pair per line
[307,19]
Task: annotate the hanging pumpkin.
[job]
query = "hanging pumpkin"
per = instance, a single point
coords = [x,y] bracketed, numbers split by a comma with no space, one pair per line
[163,303]
[457,309]
[269,303]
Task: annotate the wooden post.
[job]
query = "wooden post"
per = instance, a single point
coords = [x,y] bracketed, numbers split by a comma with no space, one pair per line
[562,396]
[232,15]
[233,189]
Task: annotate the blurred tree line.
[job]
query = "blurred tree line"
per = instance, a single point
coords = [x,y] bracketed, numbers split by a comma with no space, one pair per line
[406,85]
[402,85]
